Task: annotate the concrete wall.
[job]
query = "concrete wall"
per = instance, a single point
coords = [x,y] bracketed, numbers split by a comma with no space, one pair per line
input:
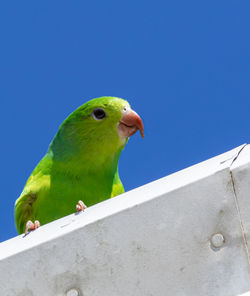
[185,234]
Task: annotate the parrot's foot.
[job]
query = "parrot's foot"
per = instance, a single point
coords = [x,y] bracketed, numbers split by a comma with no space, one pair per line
[80,207]
[31,226]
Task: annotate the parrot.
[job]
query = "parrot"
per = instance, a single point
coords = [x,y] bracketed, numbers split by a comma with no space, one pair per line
[80,167]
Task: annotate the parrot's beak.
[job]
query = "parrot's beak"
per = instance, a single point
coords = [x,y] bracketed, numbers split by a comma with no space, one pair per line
[129,124]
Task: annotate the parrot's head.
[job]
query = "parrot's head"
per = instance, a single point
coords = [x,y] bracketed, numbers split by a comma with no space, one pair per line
[100,126]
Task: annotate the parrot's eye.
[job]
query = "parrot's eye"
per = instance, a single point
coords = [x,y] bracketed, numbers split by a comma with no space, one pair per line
[125,109]
[98,114]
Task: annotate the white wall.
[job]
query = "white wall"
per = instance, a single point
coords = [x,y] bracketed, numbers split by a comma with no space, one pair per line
[185,234]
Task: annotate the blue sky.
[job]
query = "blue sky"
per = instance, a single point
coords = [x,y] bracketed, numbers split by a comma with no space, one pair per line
[183,65]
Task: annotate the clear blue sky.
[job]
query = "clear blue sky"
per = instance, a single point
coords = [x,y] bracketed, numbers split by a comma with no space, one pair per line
[183,65]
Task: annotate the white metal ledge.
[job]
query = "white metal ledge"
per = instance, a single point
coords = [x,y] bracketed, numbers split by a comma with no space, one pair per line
[185,234]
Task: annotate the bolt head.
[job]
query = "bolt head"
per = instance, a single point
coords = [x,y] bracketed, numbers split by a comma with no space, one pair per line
[72,292]
[217,240]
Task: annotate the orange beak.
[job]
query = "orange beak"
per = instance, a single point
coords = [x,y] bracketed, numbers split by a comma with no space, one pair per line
[129,124]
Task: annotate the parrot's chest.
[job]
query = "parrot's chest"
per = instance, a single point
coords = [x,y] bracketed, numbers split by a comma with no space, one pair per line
[62,196]
[90,188]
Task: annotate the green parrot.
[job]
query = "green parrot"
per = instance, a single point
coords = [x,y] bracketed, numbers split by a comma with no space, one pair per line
[81,165]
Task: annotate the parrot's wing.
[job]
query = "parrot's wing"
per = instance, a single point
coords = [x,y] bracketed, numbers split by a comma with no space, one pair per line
[24,210]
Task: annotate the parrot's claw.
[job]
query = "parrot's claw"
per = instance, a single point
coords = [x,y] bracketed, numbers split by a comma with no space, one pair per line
[31,226]
[80,207]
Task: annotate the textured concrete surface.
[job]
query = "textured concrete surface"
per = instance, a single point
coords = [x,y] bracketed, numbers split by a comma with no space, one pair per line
[185,234]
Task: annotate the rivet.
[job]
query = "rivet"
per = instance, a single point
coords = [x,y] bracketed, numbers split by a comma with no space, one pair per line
[217,240]
[72,292]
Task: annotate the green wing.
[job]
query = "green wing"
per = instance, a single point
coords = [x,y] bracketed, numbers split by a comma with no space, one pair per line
[24,210]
